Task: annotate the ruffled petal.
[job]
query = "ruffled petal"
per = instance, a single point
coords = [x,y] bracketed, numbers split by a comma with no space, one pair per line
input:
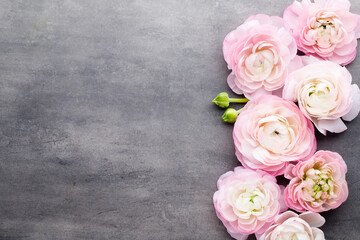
[231,82]
[257,93]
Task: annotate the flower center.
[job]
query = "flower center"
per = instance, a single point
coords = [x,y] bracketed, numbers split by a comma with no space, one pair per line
[327,29]
[294,237]
[324,28]
[275,133]
[248,201]
[318,97]
[318,184]
[260,61]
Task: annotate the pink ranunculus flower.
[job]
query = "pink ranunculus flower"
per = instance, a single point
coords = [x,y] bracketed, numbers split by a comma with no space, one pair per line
[324,93]
[270,132]
[289,225]
[260,53]
[317,184]
[247,201]
[325,29]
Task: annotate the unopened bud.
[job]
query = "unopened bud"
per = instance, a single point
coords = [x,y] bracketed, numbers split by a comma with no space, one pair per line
[230,115]
[222,100]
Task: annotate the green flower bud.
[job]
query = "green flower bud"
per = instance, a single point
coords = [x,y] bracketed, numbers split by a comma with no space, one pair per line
[230,115]
[222,100]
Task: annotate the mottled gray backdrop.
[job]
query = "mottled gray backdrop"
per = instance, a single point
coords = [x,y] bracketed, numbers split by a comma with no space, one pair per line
[107,130]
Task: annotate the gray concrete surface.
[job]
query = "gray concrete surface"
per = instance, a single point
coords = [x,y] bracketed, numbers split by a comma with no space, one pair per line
[107,130]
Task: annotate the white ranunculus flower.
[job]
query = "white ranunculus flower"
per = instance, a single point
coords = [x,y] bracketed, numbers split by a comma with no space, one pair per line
[271,132]
[291,226]
[260,54]
[276,133]
[247,201]
[324,93]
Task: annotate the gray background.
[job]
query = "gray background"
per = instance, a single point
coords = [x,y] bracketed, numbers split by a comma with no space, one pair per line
[107,130]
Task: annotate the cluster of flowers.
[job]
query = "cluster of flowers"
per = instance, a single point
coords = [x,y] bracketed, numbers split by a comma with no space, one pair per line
[273,136]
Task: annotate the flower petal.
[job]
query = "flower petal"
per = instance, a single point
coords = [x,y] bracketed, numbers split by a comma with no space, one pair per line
[354,111]
[288,172]
[283,206]
[334,126]
[314,219]
[238,236]
[231,82]
[285,216]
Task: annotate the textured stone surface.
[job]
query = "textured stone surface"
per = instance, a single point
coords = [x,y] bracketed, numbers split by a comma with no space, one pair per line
[107,130]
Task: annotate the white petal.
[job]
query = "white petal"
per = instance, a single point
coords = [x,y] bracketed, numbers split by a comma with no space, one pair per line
[295,64]
[313,219]
[318,234]
[354,111]
[284,216]
[335,126]
[316,123]
[309,59]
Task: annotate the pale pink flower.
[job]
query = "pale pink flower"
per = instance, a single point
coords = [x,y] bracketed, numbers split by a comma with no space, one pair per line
[317,184]
[289,225]
[247,201]
[270,132]
[325,29]
[260,53]
[324,93]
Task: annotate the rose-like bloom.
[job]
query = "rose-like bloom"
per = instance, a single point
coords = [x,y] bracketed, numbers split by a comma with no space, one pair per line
[260,52]
[325,29]
[324,93]
[291,226]
[247,201]
[317,184]
[270,132]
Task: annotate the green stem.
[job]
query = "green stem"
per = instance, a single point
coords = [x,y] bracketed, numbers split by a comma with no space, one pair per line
[238,100]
